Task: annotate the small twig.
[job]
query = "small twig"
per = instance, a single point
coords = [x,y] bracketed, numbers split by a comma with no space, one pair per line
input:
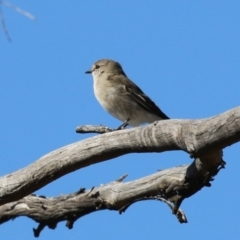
[179,214]
[94,129]
[19,10]
[4,25]
[122,178]
[37,231]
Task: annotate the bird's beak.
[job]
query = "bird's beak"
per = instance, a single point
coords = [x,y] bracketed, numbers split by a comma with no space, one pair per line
[88,72]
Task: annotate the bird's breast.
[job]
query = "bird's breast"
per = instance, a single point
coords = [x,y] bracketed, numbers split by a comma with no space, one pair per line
[104,94]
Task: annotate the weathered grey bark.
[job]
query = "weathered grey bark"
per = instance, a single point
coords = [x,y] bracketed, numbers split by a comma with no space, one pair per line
[202,139]
[114,196]
[170,186]
[193,136]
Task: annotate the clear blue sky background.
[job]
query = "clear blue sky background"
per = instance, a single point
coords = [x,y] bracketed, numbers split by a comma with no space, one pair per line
[184,54]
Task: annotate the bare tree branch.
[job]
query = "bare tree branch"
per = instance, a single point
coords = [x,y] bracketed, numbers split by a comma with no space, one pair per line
[197,137]
[170,186]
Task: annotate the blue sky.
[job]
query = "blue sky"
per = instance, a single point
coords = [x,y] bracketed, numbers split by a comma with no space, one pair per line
[184,54]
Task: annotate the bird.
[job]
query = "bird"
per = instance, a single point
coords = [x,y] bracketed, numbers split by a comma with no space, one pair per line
[121,97]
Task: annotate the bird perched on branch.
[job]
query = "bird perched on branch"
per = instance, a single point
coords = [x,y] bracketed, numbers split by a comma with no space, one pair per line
[122,98]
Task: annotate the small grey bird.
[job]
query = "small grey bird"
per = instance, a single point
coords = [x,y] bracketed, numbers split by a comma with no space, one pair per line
[122,98]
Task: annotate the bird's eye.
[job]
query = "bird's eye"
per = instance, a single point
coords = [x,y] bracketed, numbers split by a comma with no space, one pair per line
[97,66]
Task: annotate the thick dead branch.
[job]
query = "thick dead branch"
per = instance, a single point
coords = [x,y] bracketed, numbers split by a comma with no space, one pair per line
[197,137]
[170,186]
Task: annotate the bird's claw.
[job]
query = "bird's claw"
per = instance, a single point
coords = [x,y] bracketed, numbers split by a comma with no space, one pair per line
[124,125]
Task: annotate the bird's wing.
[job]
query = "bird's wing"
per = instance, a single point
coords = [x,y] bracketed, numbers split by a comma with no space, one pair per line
[128,88]
[144,101]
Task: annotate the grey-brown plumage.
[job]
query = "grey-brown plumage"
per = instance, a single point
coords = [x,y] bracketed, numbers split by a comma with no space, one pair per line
[121,97]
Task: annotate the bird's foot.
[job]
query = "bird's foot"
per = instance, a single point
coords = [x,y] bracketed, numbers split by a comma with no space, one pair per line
[124,125]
